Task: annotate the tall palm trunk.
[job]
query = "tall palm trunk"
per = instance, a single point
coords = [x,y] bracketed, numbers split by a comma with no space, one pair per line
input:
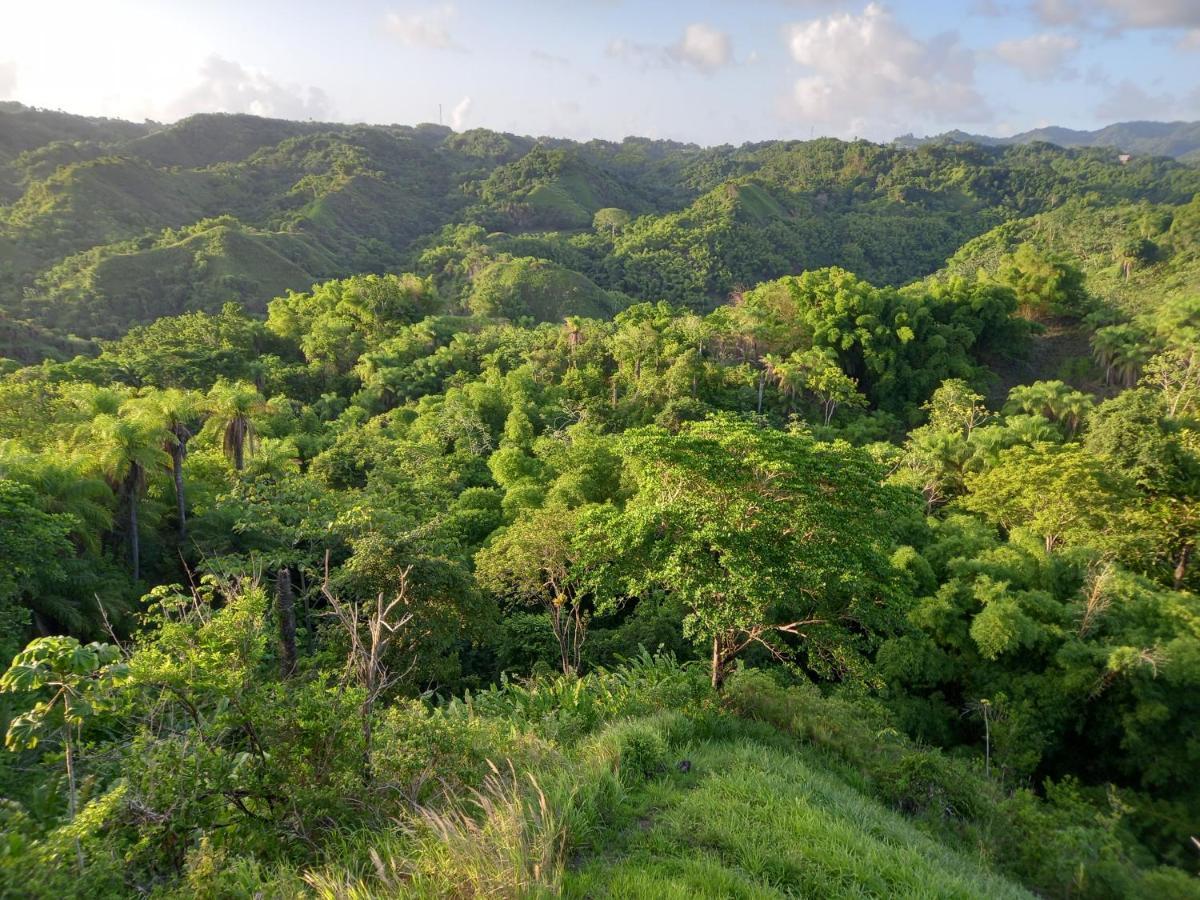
[178,451]
[132,484]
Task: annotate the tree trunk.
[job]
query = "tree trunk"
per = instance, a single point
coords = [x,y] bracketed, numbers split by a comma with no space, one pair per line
[134,543]
[762,382]
[285,605]
[72,790]
[177,454]
[718,664]
[239,453]
[368,710]
[1181,566]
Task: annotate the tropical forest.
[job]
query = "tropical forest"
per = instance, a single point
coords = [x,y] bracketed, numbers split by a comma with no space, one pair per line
[416,511]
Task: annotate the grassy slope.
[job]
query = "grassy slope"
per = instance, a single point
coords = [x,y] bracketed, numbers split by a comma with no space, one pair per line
[812,836]
[199,271]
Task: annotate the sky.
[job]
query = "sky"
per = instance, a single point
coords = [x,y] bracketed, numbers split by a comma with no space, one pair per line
[704,71]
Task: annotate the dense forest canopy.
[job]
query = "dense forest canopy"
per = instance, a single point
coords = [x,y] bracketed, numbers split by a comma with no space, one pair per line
[392,511]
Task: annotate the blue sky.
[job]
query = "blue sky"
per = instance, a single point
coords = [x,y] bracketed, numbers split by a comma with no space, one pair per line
[710,72]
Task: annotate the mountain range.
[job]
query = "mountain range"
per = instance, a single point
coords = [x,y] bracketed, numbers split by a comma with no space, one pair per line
[1180,140]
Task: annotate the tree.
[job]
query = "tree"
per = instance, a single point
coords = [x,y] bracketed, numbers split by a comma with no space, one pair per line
[532,561]
[758,533]
[1134,434]
[1044,285]
[1062,493]
[1053,400]
[127,449]
[1122,350]
[1176,372]
[611,219]
[1130,251]
[234,405]
[77,678]
[178,412]
[371,629]
[955,406]
[824,379]
[34,544]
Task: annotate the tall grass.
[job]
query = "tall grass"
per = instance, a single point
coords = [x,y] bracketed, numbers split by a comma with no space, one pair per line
[505,840]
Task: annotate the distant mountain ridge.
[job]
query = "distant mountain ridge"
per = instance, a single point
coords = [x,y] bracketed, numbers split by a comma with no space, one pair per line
[105,224]
[1180,140]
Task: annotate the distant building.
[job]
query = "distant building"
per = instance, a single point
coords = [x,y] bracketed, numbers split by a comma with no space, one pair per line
[1125,157]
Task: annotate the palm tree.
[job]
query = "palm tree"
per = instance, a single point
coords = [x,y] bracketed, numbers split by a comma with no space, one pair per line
[126,448]
[178,412]
[235,404]
[787,374]
[1122,350]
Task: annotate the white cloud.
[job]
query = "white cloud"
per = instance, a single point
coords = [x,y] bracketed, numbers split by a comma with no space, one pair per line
[228,86]
[704,47]
[8,79]
[701,46]
[1039,57]
[870,74]
[458,115]
[429,28]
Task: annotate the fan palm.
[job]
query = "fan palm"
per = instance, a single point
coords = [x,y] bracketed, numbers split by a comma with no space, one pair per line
[126,448]
[235,404]
[178,413]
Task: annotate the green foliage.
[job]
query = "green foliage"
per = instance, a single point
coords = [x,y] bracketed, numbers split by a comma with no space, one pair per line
[538,289]
[737,522]
[674,418]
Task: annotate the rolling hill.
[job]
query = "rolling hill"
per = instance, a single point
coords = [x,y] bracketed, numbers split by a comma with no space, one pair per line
[1180,140]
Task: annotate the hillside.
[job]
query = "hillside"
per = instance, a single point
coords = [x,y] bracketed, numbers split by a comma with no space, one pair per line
[90,203]
[1180,140]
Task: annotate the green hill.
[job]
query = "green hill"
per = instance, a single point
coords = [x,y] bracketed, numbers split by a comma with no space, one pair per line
[540,289]
[706,221]
[1176,139]
[197,268]
[1099,239]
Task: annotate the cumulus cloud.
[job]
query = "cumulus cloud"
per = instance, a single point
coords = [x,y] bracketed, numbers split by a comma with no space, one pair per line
[1119,15]
[869,73]
[1039,57]
[8,79]
[428,28]
[458,115]
[228,86]
[701,46]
